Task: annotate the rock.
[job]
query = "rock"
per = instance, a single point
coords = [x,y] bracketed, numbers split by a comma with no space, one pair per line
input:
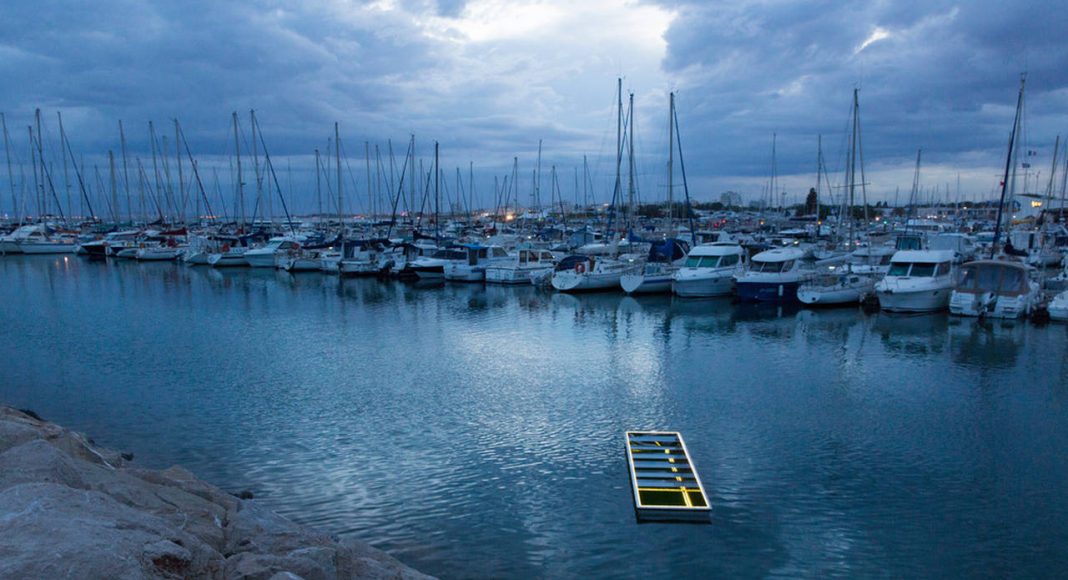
[48,530]
[71,509]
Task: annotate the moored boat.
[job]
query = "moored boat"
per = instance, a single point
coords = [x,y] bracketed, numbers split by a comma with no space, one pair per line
[709,270]
[527,264]
[994,288]
[773,276]
[917,281]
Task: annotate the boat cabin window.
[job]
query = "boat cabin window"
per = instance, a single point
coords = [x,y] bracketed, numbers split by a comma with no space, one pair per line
[921,270]
[772,267]
[500,253]
[731,260]
[943,269]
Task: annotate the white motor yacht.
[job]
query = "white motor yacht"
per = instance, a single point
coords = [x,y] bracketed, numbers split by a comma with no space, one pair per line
[478,259]
[773,276]
[432,267]
[709,270]
[266,256]
[526,265]
[918,281]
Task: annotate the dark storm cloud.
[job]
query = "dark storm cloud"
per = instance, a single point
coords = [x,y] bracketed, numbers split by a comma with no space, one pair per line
[937,75]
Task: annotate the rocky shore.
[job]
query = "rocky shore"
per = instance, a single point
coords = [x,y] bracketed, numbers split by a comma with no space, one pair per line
[70,509]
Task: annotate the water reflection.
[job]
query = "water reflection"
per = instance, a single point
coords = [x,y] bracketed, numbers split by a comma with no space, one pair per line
[477,431]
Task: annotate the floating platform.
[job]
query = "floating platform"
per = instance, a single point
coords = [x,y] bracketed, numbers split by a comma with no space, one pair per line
[665,484]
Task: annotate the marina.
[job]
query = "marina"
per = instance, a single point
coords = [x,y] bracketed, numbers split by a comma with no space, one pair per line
[533,289]
[851,442]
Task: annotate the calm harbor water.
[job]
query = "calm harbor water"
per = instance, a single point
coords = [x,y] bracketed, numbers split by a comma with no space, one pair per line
[478,431]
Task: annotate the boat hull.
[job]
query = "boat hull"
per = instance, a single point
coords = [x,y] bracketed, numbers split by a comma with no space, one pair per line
[767,291]
[358,268]
[931,300]
[48,248]
[260,259]
[829,296]
[464,273]
[514,275]
[227,261]
[703,287]
[571,281]
[9,247]
[195,258]
[988,305]
[646,284]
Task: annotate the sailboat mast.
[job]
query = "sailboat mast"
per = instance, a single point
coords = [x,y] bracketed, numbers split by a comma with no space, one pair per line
[318,187]
[337,159]
[181,176]
[10,174]
[36,182]
[853,175]
[437,196]
[66,170]
[114,187]
[1008,165]
[256,168]
[240,181]
[819,178]
[630,163]
[155,168]
[125,173]
[1053,168]
[619,151]
[671,157]
[537,182]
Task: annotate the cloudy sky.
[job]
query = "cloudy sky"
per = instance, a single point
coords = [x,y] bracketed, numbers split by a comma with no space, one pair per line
[489,79]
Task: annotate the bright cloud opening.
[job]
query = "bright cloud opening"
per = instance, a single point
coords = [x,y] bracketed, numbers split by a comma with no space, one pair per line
[878,34]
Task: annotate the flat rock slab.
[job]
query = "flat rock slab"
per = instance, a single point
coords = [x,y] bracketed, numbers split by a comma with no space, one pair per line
[71,509]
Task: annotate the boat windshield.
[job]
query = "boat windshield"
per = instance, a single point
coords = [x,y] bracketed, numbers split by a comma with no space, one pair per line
[898,269]
[702,261]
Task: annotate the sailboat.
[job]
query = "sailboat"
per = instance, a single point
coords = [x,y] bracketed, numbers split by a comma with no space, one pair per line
[840,284]
[998,288]
[657,274]
[583,272]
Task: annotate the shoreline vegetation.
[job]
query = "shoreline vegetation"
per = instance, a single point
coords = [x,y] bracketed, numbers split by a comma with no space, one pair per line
[69,508]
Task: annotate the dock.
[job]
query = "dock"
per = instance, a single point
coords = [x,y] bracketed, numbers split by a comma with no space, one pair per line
[663,479]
